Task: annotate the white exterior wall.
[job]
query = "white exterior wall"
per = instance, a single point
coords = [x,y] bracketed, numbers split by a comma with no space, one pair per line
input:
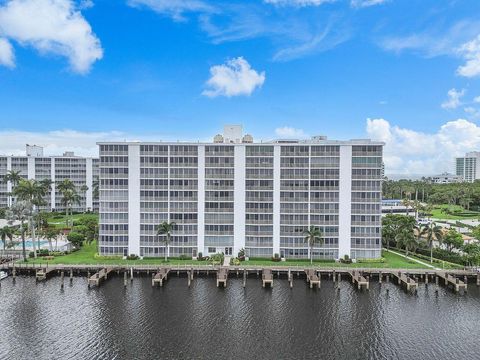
[9,184]
[134,199]
[31,168]
[345,201]
[201,201]
[276,199]
[239,200]
[52,177]
[89,183]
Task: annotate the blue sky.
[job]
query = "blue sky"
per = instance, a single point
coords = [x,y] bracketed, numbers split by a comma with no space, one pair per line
[75,72]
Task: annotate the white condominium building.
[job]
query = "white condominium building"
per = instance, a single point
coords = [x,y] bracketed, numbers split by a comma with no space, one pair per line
[235,193]
[468,166]
[80,170]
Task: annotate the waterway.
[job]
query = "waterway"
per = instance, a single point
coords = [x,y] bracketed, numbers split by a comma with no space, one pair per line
[41,321]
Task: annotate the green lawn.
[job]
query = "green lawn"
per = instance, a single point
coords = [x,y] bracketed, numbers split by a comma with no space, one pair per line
[86,255]
[392,261]
[464,214]
[58,220]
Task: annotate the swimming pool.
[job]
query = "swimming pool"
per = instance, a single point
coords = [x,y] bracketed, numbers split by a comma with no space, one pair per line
[28,244]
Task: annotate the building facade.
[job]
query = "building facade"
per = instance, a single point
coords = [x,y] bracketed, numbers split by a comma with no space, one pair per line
[82,171]
[468,166]
[234,193]
[446,178]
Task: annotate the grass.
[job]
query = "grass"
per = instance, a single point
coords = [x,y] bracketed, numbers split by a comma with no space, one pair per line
[59,220]
[463,215]
[86,256]
[392,261]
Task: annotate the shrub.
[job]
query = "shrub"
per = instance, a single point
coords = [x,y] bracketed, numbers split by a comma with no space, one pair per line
[346,260]
[371,261]
[184,257]
[132,257]
[107,257]
[217,259]
[276,257]
[234,261]
[76,238]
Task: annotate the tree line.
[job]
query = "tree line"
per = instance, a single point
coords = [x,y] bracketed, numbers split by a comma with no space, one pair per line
[464,194]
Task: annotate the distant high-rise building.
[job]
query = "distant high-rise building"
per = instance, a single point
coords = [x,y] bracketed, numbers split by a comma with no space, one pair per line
[82,171]
[468,166]
[234,193]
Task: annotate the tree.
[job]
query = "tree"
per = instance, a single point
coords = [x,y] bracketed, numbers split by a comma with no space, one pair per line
[20,211]
[76,238]
[406,202]
[6,232]
[453,239]
[33,192]
[50,234]
[14,178]
[473,253]
[69,197]
[431,232]
[392,224]
[407,239]
[165,229]
[312,235]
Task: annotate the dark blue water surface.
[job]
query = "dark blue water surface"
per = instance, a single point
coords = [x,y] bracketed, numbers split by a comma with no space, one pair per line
[40,321]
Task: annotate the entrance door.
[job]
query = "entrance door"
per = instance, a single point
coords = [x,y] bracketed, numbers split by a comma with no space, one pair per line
[228,251]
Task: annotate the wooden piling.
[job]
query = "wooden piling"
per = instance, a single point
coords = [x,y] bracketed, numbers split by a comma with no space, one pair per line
[244,278]
[62,276]
[125,279]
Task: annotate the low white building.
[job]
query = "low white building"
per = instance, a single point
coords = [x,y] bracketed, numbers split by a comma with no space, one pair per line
[446,178]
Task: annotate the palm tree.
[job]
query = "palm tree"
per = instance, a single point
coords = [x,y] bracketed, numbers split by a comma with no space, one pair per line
[166,228]
[6,232]
[70,197]
[406,202]
[313,235]
[407,239]
[431,233]
[33,192]
[20,211]
[95,190]
[14,178]
[51,233]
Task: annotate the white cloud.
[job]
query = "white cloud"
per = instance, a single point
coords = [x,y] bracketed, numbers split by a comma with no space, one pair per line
[51,27]
[471,53]
[298,2]
[234,78]
[7,57]
[477,99]
[413,152]
[454,99]
[173,8]
[366,3]
[288,132]
[56,142]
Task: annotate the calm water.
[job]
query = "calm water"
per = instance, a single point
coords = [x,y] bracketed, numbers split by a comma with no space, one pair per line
[204,322]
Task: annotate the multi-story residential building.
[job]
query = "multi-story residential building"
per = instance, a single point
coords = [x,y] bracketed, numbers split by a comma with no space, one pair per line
[82,171]
[235,193]
[468,166]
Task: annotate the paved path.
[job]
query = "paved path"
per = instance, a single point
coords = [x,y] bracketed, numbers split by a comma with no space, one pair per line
[226,260]
[416,260]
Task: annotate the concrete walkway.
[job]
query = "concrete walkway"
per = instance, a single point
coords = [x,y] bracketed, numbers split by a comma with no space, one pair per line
[226,260]
[416,260]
